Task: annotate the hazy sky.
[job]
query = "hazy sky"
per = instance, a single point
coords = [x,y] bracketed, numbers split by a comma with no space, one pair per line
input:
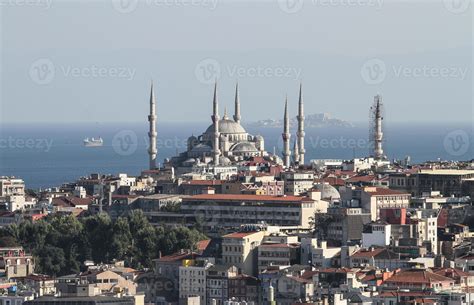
[65,61]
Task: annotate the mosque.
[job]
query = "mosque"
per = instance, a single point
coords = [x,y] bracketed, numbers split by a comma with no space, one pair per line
[226,142]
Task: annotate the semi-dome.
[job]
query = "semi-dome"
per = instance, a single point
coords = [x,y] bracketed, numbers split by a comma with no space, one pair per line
[227,126]
[201,148]
[245,147]
[224,160]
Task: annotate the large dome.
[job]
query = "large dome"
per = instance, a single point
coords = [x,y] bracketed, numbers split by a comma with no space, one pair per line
[227,126]
[328,191]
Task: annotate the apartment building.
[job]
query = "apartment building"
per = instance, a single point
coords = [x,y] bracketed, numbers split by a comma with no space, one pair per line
[241,249]
[227,210]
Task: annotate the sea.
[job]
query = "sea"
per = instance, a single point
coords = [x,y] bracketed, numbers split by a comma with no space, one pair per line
[48,155]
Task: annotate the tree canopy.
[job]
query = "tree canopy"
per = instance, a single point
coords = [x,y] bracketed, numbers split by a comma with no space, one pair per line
[61,243]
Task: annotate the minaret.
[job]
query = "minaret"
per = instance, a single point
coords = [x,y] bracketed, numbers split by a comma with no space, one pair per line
[225,117]
[286,136]
[215,120]
[237,104]
[300,134]
[296,153]
[378,134]
[152,151]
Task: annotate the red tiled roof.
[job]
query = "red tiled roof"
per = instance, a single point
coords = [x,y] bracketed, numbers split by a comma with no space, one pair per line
[367,253]
[365,178]
[309,274]
[451,272]
[204,182]
[335,270]
[71,201]
[38,216]
[238,234]
[202,245]
[178,257]
[417,276]
[383,191]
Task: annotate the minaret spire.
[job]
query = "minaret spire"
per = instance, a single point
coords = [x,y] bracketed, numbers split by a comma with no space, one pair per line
[215,120]
[225,117]
[378,133]
[286,136]
[300,134]
[296,153]
[152,150]
[237,104]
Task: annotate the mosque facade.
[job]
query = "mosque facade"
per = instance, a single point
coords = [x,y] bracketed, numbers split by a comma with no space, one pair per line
[226,142]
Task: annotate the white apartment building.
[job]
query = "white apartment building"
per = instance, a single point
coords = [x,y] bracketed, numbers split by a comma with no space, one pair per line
[372,199]
[322,255]
[192,280]
[11,186]
[240,249]
[277,254]
[233,210]
[427,230]
[376,234]
[297,183]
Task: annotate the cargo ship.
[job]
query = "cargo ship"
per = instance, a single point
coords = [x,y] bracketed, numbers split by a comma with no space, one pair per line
[93,142]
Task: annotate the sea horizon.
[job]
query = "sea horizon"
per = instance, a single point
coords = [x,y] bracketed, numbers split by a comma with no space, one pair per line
[50,154]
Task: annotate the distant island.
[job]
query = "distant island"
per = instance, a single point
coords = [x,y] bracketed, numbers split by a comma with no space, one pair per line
[316,120]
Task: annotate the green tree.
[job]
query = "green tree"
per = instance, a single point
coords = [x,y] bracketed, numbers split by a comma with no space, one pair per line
[98,232]
[50,260]
[144,242]
[121,239]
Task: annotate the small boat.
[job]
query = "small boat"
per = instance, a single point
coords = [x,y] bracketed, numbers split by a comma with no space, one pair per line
[93,142]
